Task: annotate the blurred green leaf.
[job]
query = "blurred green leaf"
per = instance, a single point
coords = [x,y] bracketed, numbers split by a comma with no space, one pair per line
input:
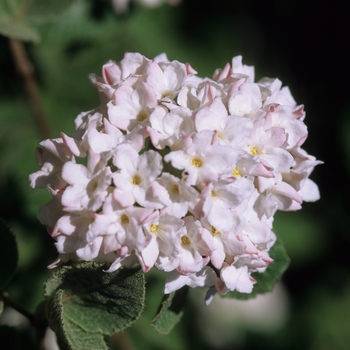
[47,10]
[18,19]
[85,303]
[170,311]
[18,30]
[1,307]
[267,280]
[8,254]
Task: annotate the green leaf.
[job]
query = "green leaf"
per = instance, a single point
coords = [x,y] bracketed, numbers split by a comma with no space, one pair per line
[267,280]
[48,10]
[84,303]
[8,254]
[1,306]
[18,30]
[170,311]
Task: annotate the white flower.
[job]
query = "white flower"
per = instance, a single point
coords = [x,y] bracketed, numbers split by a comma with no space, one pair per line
[177,172]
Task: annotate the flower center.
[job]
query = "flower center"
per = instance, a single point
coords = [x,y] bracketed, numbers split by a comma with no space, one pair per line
[153,228]
[254,151]
[196,162]
[175,189]
[236,173]
[214,231]
[136,180]
[185,240]
[124,219]
[142,116]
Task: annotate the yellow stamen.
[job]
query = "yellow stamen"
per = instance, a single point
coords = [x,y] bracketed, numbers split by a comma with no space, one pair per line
[185,240]
[214,231]
[124,219]
[175,189]
[153,228]
[142,116]
[196,162]
[93,184]
[136,180]
[236,172]
[254,151]
[212,194]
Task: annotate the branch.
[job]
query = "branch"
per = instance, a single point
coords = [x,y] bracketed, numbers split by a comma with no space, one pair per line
[37,320]
[9,302]
[25,70]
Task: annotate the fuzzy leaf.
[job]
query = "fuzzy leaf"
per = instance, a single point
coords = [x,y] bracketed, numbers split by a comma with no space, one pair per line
[267,280]
[8,254]
[84,303]
[170,311]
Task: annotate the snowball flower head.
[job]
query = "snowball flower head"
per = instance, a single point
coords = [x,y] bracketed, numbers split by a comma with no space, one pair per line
[177,172]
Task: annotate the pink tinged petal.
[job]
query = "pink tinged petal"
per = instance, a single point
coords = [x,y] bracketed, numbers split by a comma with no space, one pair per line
[110,244]
[116,264]
[111,73]
[276,136]
[287,204]
[159,193]
[221,74]
[155,137]
[56,263]
[149,255]
[298,113]
[309,192]
[90,251]
[74,146]
[133,63]
[278,159]
[125,157]
[99,142]
[150,163]
[237,279]
[175,281]
[94,162]
[295,179]
[57,148]
[246,101]
[75,173]
[286,190]
[113,131]
[265,205]
[297,132]
[124,199]
[217,258]
[258,232]
[189,70]
[249,247]
[204,278]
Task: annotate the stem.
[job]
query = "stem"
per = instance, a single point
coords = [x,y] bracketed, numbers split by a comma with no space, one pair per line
[37,321]
[25,70]
[17,307]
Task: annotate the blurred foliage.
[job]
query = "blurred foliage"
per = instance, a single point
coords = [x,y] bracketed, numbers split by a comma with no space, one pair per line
[300,42]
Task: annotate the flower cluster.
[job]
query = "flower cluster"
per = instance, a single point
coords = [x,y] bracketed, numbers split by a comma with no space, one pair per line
[177,172]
